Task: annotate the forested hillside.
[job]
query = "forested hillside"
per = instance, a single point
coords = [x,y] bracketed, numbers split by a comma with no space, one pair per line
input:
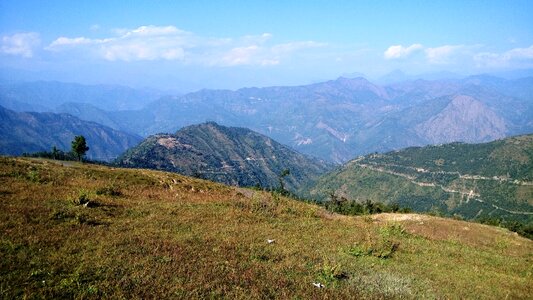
[472,181]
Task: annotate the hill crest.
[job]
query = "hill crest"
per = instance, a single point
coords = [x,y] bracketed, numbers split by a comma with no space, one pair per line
[231,155]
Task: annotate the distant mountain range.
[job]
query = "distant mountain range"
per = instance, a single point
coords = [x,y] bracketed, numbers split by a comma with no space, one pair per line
[33,132]
[335,120]
[46,96]
[235,156]
[470,180]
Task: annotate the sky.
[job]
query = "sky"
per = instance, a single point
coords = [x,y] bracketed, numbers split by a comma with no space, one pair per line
[188,45]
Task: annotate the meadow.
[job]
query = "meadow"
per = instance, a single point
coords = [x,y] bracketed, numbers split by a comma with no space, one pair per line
[71,230]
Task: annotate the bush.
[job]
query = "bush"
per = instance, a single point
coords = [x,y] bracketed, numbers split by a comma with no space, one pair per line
[110,190]
[82,198]
[382,248]
[330,273]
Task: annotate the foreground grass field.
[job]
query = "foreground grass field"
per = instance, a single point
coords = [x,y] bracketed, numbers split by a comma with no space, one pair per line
[84,231]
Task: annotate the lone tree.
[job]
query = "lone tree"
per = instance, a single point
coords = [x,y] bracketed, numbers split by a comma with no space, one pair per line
[79,146]
[55,152]
[282,190]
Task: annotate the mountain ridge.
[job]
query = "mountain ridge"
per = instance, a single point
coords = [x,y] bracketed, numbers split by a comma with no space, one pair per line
[231,155]
[337,120]
[33,132]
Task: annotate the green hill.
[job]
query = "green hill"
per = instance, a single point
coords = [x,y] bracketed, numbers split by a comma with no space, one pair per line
[230,155]
[490,180]
[69,230]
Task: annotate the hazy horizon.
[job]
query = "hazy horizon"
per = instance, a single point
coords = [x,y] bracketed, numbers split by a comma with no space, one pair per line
[189,46]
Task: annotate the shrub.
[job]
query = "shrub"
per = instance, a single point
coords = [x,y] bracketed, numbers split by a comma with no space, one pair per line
[330,273]
[33,176]
[82,198]
[110,190]
[383,248]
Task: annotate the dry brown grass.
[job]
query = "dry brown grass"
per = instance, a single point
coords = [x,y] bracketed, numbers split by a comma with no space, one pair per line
[167,236]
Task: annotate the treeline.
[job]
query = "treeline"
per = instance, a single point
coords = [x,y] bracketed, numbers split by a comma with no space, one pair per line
[525,230]
[57,154]
[344,206]
[54,154]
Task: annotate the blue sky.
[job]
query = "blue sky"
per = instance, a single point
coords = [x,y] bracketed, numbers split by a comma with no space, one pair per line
[186,45]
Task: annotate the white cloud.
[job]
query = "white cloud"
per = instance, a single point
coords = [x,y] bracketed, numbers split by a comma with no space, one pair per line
[295,46]
[171,43]
[155,31]
[263,55]
[143,43]
[20,44]
[519,53]
[442,54]
[517,57]
[239,55]
[399,51]
[257,39]
[138,51]
[64,41]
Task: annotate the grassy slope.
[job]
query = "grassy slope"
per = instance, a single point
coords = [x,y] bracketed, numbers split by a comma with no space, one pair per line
[167,236]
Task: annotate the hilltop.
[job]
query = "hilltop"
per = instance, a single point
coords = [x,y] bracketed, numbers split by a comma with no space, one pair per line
[69,230]
[230,155]
[472,181]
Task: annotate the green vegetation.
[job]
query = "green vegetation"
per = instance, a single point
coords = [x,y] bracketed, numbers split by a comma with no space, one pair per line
[384,246]
[54,154]
[518,227]
[79,146]
[344,206]
[229,155]
[71,230]
[466,181]
[507,158]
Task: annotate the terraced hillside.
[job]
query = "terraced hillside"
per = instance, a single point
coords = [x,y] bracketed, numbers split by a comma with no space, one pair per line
[69,230]
[470,180]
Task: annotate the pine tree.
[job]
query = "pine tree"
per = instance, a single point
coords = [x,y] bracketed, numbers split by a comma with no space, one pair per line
[79,146]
